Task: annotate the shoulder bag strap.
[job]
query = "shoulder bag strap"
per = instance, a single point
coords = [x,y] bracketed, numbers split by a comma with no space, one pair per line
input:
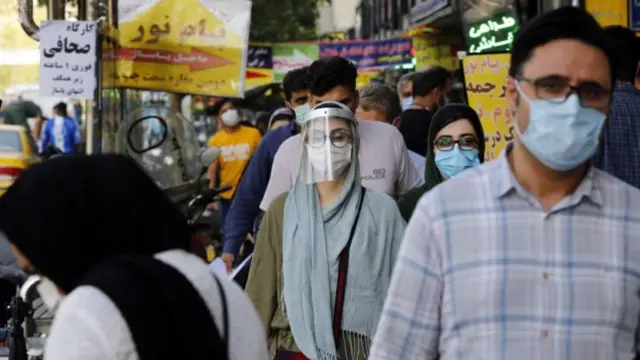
[225,314]
[342,277]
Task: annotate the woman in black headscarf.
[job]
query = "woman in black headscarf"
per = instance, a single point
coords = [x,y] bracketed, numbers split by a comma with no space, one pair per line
[455,143]
[104,235]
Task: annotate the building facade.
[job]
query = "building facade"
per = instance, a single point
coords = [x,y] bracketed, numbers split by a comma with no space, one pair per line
[379,19]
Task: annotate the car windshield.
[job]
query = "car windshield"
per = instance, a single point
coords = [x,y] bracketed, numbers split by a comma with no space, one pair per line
[10,141]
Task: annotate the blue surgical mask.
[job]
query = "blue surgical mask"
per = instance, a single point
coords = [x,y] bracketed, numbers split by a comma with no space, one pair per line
[406,103]
[451,162]
[561,135]
[301,113]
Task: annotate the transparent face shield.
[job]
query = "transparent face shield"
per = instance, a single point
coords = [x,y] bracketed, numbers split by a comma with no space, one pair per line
[168,150]
[329,145]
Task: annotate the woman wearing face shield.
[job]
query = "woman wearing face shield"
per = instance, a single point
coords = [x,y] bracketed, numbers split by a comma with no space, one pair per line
[113,252]
[455,143]
[325,250]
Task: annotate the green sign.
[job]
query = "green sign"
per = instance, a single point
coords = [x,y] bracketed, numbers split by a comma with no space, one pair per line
[492,35]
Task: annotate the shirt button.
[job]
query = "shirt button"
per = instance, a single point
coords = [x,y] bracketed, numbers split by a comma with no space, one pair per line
[545,275]
[544,333]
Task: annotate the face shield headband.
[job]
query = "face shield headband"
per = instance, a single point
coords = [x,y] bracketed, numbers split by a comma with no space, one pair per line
[329,145]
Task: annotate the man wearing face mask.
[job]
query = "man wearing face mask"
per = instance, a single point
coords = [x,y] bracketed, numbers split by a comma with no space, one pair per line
[237,143]
[405,89]
[529,255]
[619,154]
[429,92]
[384,161]
[245,207]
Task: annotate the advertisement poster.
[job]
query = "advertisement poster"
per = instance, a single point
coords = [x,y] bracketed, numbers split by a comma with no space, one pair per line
[370,54]
[485,78]
[429,53]
[365,77]
[287,57]
[188,46]
[259,66]
[68,59]
[610,12]
[495,34]
[634,15]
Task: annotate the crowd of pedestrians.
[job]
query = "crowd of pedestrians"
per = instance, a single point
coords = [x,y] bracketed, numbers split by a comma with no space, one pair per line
[380,231]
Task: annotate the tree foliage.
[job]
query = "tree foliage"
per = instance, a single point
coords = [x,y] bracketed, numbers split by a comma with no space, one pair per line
[283,20]
[276,20]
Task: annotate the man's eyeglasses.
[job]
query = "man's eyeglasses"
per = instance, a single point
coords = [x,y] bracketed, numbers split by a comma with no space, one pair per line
[465,142]
[338,137]
[557,89]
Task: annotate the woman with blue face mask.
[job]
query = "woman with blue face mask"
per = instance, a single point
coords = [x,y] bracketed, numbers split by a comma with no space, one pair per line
[455,143]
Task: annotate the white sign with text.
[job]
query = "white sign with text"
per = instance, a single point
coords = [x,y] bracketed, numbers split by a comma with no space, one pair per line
[68,59]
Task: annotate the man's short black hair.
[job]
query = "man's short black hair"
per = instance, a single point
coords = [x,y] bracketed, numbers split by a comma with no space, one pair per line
[326,74]
[625,44]
[61,107]
[295,80]
[429,80]
[215,109]
[564,23]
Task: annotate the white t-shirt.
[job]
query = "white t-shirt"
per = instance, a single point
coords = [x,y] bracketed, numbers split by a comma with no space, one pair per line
[88,326]
[418,161]
[384,163]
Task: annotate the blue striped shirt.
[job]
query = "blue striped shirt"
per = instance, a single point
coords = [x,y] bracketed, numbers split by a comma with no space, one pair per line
[484,272]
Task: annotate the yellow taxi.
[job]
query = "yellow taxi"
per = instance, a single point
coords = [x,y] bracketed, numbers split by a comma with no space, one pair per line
[18,151]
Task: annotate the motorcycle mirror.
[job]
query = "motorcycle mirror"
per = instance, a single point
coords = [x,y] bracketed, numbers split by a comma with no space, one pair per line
[209,156]
[26,288]
[147,133]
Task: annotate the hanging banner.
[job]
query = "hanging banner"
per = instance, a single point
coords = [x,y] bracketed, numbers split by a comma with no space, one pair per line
[370,54]
[610,12]
[494,34]
[287,57]
[365,77]
[259,66]
[68,59]
[188,46]
[428,53]
[485,78]
[634,15]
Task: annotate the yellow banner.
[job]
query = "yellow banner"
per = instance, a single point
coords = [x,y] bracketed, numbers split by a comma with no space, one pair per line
[428,53]
[258,77]
[188,46]
[609,12]
[364,78]
[485,78]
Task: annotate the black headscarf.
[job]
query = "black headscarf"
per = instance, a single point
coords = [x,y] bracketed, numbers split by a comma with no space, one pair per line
[72,212]
[414,127]
[443,117]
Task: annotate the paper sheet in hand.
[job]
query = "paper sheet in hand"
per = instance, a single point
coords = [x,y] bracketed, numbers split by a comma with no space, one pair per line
[218,267]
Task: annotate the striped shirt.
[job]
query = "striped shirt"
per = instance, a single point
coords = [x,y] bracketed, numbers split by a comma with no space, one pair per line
[485,273]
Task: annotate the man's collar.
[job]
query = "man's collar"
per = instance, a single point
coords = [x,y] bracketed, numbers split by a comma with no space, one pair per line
[502,181]
[292,128]
[625,86]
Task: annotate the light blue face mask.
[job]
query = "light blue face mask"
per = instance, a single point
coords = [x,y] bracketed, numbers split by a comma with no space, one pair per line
[451,162]
[406,103]
[301,113]
[561,135]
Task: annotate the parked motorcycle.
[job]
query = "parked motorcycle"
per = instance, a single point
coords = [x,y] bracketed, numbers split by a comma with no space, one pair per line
[166,155]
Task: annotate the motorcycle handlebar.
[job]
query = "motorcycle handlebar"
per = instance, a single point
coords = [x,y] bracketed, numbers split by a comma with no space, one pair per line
[209,196]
